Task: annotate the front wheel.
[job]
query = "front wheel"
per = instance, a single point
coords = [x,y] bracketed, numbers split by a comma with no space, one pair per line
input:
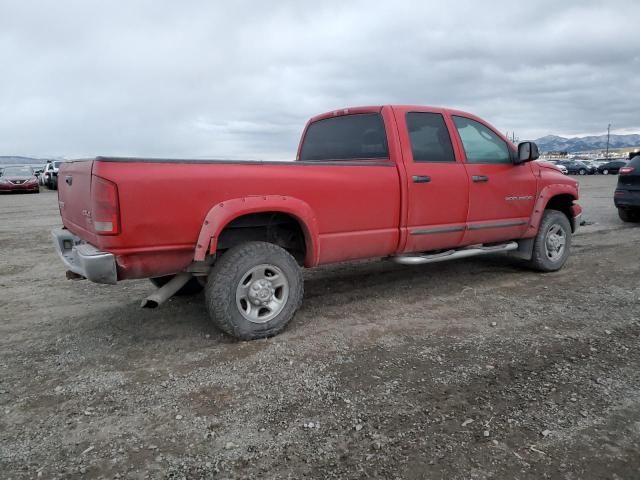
[552,243]
[254,290]
[605,171]
[582,171]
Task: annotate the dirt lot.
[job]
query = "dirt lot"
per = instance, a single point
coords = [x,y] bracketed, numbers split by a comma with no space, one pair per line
[470,369]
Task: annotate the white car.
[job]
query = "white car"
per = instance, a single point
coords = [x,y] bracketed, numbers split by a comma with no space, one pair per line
[49,176]
[562,168]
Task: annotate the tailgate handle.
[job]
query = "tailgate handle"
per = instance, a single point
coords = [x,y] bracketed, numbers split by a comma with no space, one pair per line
[68,180]
[421,179]
[480,178]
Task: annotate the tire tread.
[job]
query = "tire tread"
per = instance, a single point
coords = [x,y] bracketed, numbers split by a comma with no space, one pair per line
[538,260]
[221,283]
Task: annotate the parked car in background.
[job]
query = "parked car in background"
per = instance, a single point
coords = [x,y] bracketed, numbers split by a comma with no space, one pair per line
[592,164]
[611,167]
[577,167]
[19,179]
[49,177]
[627,195]
[560,167]
[38,171]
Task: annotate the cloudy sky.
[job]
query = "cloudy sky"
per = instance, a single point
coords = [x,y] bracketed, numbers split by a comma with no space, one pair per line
[239,79]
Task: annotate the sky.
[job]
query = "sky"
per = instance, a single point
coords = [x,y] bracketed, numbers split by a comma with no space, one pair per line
[239,79]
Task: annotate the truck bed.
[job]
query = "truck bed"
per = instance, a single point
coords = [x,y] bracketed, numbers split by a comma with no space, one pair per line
[163,204]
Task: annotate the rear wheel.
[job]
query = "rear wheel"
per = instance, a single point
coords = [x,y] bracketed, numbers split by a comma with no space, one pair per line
[605,171]
[552,243]
[629,215]
[582,171]
[254,290]
[192,287]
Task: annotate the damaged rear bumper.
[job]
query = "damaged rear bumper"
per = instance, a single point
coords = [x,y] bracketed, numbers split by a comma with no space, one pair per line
[83,258]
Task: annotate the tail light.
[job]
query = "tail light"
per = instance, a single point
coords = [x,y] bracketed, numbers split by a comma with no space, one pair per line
[626,170]
[105,206]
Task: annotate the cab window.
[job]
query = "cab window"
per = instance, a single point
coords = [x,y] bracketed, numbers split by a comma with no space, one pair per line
[347,137]
[481,145]
[430,141]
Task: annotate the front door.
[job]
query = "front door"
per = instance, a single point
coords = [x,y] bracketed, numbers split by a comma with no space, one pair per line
[501,194]
[438,189]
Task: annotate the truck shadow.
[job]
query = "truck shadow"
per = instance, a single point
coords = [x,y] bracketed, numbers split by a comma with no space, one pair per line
[335,287]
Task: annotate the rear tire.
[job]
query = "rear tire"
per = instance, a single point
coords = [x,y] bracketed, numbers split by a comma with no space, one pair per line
[605,172]
[192,287]
[254,290]
[552,244]
[582,171]
[629,215]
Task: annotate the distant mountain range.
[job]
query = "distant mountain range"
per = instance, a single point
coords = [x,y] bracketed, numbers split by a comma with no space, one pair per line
[553,143]
[19,160]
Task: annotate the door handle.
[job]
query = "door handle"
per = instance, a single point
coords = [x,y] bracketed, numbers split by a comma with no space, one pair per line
[68,180]
[421,179]
[480,178]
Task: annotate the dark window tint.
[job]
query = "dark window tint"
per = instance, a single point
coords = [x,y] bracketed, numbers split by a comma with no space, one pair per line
[481,145]
[345,138]
[635,162]
[430,141]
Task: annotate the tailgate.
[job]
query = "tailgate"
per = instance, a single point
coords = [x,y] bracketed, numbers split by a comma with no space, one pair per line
[74,197]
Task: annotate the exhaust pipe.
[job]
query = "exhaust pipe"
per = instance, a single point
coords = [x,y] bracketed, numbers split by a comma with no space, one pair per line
[453,254]
[167,291]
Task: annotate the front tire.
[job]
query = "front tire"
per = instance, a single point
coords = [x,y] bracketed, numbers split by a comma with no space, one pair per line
[605,172]
[582,171]
[629,215]
[254,290]
[552,243]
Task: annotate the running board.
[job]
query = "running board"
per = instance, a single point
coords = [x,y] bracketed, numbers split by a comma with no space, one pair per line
[453,254]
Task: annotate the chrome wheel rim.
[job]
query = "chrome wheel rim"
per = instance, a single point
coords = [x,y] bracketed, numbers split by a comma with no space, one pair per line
[555,242]
[262,293]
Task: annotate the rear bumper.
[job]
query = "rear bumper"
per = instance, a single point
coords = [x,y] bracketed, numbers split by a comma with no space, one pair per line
[83,258]
[626,198]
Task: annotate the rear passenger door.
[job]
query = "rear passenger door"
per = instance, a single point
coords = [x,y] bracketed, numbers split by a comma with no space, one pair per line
[438,189]
[501,194]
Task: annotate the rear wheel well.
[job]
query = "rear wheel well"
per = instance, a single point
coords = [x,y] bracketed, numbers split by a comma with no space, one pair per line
[278,228]
[563,203]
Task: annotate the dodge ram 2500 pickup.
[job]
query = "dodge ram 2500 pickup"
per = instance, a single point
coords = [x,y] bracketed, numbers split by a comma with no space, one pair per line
[409,183]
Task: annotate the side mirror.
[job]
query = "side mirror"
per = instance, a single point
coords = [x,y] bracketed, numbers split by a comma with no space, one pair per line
[527,151]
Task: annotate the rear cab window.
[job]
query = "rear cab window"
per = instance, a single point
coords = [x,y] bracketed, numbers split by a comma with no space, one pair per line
[347,137]
[429,136]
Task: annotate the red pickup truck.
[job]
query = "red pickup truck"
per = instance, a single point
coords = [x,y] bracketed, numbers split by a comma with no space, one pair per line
[410,183]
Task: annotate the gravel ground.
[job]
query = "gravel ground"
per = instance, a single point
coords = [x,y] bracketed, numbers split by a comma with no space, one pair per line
[468,369]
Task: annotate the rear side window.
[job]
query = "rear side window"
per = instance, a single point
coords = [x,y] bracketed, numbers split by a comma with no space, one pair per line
[481,145]
[430,141]
[347,137]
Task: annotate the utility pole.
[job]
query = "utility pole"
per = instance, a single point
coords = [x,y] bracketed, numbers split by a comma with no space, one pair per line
[608,134]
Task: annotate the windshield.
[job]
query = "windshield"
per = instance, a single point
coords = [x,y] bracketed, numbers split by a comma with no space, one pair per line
[57,164]
[17,172]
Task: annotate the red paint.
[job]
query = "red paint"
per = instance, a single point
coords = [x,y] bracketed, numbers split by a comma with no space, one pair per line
[171,213]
